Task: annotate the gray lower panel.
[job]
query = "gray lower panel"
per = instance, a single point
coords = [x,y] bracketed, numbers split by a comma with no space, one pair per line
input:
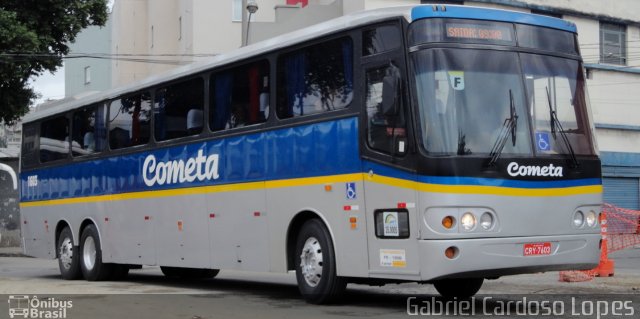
[490,257]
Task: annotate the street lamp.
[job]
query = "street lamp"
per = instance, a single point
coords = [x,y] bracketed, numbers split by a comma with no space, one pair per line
[252,7]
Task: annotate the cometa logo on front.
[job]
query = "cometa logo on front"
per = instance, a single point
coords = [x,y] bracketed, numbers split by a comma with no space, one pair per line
[514,169]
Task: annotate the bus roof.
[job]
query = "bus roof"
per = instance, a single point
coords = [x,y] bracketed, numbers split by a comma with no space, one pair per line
[410,13]
[465,12]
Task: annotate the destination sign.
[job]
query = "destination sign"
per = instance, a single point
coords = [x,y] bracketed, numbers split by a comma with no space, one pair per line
[478,31]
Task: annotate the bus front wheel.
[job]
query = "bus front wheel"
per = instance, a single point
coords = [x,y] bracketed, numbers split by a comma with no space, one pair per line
[461,288]
[315,263]
[68,257]
[93,269]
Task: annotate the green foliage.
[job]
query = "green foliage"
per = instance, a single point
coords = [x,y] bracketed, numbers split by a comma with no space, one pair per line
[33,39]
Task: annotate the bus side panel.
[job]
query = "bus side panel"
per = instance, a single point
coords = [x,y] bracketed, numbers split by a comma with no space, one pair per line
[181,231]
[392,256]
[38,238]
[328,150]
[129,233]
[239,230]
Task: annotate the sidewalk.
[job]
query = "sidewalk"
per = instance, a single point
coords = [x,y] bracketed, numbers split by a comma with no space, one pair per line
[11,252]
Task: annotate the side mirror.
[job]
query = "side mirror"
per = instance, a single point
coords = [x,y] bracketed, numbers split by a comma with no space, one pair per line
[391,91]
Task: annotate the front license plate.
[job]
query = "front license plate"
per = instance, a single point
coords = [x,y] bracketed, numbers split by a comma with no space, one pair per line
[537,249]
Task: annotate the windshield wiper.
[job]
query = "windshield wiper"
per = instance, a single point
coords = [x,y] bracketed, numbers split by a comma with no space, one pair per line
[509,127]
[555,122]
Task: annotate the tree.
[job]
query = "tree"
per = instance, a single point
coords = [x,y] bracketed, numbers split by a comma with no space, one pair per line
[34,37]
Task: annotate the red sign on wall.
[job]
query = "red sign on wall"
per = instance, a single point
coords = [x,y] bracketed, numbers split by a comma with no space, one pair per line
[294,2]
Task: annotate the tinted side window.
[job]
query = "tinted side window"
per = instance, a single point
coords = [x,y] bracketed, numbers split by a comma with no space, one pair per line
[129,121]
[239,96]
[178,109]
[54,139]
[29,152]
[382,127]
[381,39]
[315,79]
[89,134]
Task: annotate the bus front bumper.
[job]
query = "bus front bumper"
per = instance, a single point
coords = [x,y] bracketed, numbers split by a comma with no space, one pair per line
[495,257]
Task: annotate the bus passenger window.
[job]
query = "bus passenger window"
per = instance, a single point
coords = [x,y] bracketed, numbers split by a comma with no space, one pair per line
[239,96]
[381,125]
[54,139]
[315,79]
[178,109]
[89,133]
[28,152]
[129,121]
[381,39]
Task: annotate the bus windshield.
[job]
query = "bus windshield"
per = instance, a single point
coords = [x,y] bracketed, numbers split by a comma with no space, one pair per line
[467,98]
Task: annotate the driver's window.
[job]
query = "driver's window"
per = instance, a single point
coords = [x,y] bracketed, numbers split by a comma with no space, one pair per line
[381,128]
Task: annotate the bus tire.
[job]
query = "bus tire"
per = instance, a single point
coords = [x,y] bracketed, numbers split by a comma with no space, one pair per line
[315,264]
[93,269]
[68,256]
[461,288]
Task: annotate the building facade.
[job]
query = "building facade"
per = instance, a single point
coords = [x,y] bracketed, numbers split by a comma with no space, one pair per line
[149,37]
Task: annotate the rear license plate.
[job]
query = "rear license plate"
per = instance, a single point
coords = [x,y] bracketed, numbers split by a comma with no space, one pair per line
[537,249]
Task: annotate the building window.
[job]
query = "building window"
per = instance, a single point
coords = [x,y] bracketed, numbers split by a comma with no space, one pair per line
[87,75]
[613,49]
[236,14]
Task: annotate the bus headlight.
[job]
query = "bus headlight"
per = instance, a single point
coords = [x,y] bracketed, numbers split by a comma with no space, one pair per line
[468,221]
[486,221]
[578,219]
[591,218]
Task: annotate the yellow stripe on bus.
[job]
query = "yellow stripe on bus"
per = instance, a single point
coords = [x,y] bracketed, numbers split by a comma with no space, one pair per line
[308,181]
[486,190]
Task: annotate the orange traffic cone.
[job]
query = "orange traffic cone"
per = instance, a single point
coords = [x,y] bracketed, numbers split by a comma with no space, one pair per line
[606,266]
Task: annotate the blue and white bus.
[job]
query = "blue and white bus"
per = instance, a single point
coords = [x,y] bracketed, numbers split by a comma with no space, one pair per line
[434,144]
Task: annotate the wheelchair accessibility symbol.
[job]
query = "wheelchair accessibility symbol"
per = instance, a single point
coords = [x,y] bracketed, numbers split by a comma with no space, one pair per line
[542,141]
[351,190]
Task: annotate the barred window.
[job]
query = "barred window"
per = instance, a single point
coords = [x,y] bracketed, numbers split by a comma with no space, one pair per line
[613,49]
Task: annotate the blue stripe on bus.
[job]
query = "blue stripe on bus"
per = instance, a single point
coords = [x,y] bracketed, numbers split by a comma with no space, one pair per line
[321,149]
[461,12]
[328,148]
[477,181]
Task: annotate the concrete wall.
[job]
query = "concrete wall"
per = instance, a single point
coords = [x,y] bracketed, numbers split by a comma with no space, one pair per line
[92,40]
[129,36]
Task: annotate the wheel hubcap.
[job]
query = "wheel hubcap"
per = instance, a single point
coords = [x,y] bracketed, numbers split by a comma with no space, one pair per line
[311,262]
[66,253]
[89,253]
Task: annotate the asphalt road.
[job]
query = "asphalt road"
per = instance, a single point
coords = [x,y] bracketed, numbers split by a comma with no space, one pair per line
[148,294]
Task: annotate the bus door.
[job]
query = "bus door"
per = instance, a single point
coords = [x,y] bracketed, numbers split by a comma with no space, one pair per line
[389,175]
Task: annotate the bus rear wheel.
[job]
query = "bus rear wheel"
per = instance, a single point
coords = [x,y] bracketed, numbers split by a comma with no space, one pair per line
[93,269]
[461,288]
[68,257]
[315,263]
